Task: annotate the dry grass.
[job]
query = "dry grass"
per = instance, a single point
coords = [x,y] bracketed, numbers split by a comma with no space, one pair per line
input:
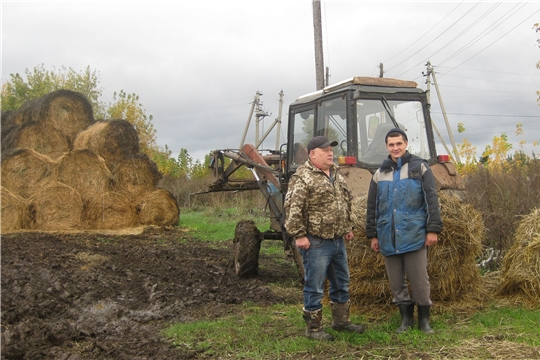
[135,175]
[113,140]
[12,211]
[85,171]
[452,262]
[55,206]
[24,169]
[521,265]
[109,210]
[158,207]
[44,139]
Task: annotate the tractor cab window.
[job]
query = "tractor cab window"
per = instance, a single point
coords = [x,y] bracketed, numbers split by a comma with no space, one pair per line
[332,123]
[304,123]
[376,117]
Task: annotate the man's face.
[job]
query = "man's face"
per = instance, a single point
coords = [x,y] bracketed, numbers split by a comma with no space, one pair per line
[396,146]
[323,158]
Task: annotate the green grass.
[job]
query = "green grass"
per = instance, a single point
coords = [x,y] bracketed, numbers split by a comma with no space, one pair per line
[277,332]
[218,224]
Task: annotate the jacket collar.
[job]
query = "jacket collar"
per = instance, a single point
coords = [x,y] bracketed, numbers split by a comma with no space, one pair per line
[390,165]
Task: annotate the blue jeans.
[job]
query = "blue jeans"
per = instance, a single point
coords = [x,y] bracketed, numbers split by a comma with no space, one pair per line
[325,259]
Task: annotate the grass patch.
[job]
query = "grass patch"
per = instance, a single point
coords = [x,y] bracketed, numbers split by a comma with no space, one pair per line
[277,332]
[218,224]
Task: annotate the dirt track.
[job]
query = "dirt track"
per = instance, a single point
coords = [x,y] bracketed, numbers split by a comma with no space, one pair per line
[90,296]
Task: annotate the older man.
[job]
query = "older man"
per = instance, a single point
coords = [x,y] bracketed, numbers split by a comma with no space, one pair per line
[318,208]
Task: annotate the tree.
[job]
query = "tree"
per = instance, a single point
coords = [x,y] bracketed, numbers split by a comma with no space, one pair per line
[127,106]
[40,82]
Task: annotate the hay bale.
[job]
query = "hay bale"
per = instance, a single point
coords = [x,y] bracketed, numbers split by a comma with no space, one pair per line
[44,139]
[7,123]
[451,263]
[68,111]
[29,111]
[113,140]
[109,210]
[12,211]
[24,169]
[135,176]
[158,207]
[55,206]
[521,265]
[85,171]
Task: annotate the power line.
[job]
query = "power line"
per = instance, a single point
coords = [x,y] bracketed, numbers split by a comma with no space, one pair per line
[495,41]
[422,36]
[495,25]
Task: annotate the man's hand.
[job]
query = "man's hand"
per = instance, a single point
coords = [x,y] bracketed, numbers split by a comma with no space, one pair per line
[349,236]
[375,244]
[431,238]
[302,243]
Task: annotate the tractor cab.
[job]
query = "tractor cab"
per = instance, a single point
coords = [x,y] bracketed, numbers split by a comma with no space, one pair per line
[358,113]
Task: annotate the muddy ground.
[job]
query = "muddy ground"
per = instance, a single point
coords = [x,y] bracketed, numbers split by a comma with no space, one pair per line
[95,296]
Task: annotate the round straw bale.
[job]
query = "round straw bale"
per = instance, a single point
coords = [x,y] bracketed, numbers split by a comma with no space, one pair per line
[44,139]
[85,171]
[7,119]
[29,111]
[12,211]
[24,169]
[55,206]
[68,111]
[521,265]
[451,263]
[135,175]
[109,210]
[9,136]
[158,207]
[113,140]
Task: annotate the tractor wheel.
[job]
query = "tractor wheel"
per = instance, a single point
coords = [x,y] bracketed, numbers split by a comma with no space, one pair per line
[247,244]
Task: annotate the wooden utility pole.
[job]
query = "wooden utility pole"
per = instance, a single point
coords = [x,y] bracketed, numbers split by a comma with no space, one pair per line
[431,72]
[319,61]
[381,70]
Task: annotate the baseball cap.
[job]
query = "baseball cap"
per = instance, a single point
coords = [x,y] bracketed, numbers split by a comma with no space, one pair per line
[320,142]
[398,131]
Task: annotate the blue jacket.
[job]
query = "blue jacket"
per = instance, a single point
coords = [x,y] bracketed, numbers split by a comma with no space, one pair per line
[403,205]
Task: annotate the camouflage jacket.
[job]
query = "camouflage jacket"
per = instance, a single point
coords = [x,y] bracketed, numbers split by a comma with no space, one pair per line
[316,206]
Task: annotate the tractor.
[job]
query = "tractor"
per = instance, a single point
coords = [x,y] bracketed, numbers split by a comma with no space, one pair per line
[357,113]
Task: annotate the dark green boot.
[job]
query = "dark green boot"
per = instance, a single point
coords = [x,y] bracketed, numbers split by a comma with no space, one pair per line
[423,319]
[340,318]
[407,313]
[314,329]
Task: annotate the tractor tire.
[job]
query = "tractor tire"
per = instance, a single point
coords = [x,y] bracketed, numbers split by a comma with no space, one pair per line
[247,245]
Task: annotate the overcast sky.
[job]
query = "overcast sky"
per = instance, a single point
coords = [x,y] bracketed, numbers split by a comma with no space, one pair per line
[196,65]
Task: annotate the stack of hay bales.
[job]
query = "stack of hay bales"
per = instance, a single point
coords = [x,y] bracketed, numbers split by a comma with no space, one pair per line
[67,171]
[520,278]
[451,263]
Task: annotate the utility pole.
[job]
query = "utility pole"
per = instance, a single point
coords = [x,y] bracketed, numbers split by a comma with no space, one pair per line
[381,70]
[319,61]
[430,70]
[428,82]
[255,101]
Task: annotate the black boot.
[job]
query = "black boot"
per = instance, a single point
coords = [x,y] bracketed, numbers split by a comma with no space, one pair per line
[407,313]
[423,319]
[314,329]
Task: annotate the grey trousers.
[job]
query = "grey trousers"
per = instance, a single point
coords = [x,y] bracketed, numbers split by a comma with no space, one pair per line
[414,266]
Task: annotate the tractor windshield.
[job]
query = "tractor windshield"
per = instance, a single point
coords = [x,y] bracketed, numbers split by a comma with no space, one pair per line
[374,120]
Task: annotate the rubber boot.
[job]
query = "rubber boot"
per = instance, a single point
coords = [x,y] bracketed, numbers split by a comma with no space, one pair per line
[314,329]
[423,319]
[407,313]
[340,318]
